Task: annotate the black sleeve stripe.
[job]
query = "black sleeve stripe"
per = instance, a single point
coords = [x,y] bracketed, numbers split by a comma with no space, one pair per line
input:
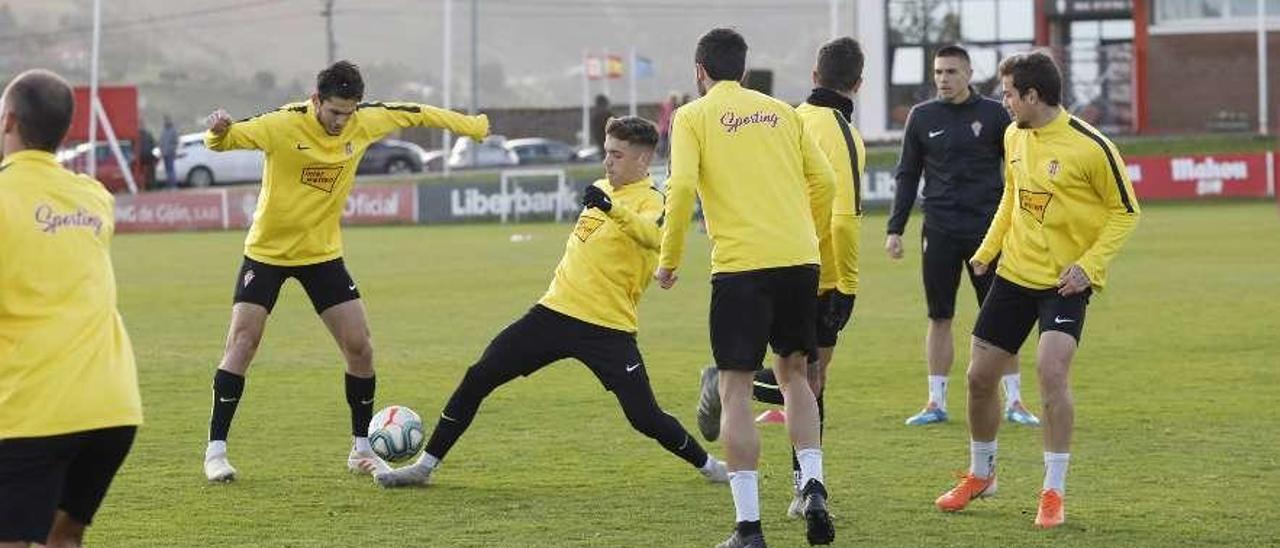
[1111,159]
[403,108]
[661,218]
[302,109]
[853,161]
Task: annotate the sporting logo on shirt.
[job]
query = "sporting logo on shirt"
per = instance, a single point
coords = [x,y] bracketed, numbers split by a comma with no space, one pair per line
[1054,168]
[51,221]
[586,226]
[1035,203]
[976,126]
[731,121]
[321,177]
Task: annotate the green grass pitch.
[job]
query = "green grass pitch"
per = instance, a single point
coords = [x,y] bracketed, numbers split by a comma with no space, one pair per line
[1175,387]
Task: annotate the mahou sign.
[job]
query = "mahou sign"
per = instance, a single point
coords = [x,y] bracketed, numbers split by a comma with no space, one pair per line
[1199,176]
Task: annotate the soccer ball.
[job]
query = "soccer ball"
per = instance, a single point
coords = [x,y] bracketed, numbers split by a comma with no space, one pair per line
[396,433]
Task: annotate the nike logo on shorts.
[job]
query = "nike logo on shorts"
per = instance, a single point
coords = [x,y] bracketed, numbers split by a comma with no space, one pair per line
[352,287]
[933,134]
[448,418]
[633,367]
[228,400]
[366,402]
[1060,320]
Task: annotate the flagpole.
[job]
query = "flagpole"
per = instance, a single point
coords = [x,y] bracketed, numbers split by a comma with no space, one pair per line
[447,137]
[92,158]
[586,101]
[631,77]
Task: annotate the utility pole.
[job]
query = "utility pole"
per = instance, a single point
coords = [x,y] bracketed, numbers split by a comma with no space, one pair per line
[328,27]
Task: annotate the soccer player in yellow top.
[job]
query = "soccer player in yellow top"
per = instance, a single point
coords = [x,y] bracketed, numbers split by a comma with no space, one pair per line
[588,313]
[312,151]
[825,114]
[766,190]
[1068,207]
[69,403]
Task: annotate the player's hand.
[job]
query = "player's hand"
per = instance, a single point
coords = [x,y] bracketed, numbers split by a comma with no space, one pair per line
[1073,280]
[893,244]
[979,267]
[666,277]
[841,309]
[218,122]
[595,197]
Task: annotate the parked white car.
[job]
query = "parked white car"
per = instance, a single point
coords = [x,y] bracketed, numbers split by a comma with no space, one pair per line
[492,152]
[197,166]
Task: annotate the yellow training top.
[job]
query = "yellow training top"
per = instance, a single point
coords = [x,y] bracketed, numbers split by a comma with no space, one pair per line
[66,364]
[1067,200]
[609,258]
[766,188]
[843,147]
[308,173]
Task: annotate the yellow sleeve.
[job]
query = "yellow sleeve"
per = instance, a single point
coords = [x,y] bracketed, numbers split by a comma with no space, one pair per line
[1111,181]
[686,155]
[251,133]
[994,239]
[383,118]
[821,178]
[643,225]
[845,231]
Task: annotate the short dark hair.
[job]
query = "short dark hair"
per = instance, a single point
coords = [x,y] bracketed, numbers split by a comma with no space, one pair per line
[722,53]
[43,104]
[840,64]
[634,130]
[341,80]
[1034,70]
[953,50]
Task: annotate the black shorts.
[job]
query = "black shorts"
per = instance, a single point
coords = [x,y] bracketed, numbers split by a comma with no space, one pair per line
[777,307]
[829,322]
[1010,310]
[943,256]
[326,283]
[543,336]
[70,472]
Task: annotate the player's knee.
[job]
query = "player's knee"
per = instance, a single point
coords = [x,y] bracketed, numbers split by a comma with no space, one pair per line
[358,349]
[981,381]
[245,339]
[1053,377]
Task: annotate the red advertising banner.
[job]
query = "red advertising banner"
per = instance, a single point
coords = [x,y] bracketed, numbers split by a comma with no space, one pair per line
[169,211]
[381,205]
[1199,176]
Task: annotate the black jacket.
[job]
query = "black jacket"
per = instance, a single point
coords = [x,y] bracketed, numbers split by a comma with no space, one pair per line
[960,149]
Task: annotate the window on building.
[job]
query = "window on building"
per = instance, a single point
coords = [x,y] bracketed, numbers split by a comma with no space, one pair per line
[988,29]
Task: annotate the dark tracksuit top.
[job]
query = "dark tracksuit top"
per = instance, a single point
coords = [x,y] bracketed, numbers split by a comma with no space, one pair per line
[960,150]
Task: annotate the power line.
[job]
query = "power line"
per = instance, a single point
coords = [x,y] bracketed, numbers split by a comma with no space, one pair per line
[143,22]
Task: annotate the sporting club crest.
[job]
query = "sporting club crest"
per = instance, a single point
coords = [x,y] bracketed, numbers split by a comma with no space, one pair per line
[976,126]
[1054,168]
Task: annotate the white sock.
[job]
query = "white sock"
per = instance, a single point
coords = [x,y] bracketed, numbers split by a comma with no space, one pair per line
[362,445]
[810,465]
[216,447]
[938,391]
[427,461]
[746,494]
[1012,388]
[1055,471]
[982,458]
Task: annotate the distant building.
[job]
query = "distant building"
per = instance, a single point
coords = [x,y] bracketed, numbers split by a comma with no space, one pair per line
[1132,66]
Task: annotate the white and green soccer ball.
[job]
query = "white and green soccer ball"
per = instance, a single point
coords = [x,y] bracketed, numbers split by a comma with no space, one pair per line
[395,433]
